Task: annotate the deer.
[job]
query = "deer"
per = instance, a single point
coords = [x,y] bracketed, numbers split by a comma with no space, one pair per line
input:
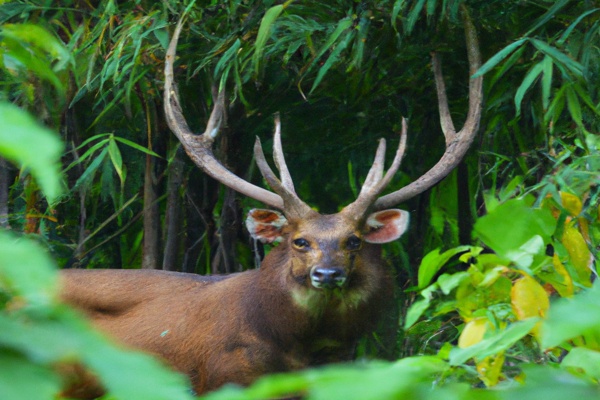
[322,288]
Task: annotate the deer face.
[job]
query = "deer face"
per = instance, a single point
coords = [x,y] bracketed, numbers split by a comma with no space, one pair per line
[325,250]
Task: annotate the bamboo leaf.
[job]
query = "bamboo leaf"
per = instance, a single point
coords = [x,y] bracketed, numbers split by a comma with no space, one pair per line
[413,15]
[88,174]
[499,56]
[546,81]
[332,59]
[87,154]
[117,160]
[559,56]
[227,57]
[568,31]
[528,81]
[342,25]
[574,106]
[398,6]
[264,32]
[548,15]
[136,146]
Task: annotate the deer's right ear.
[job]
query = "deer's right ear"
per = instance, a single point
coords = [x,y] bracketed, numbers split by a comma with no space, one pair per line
[266,225]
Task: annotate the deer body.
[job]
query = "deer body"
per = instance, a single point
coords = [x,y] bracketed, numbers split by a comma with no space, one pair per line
[235,328]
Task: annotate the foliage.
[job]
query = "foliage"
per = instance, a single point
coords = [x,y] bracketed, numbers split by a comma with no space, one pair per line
[501,241]
[39,336]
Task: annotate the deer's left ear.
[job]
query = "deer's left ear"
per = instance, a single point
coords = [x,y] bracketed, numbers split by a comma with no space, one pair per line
[386,226]
[266,225]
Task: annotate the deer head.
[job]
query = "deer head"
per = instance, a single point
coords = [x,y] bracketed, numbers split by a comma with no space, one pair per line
[369,219]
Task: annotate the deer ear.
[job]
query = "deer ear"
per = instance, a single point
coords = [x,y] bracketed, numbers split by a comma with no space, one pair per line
[265,225]
[386,226]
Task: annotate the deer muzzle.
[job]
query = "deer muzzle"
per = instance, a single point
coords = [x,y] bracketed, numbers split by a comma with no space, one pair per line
[327,277]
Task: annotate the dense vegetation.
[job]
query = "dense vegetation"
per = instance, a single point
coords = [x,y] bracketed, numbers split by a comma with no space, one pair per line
[496,273]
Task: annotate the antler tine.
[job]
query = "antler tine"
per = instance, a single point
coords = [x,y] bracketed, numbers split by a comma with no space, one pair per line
[284,173]
[376,181]
[375,172]
[457,143]
[293,207]
[199,147]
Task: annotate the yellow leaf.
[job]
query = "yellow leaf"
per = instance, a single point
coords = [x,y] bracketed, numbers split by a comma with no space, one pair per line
[490,369]
[579,254]
[571,203]
[473,332]
[565,287]
[529,299]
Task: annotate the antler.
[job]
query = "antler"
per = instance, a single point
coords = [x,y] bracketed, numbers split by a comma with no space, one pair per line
[457,143]
[199,147]
[376,181]
[293,206]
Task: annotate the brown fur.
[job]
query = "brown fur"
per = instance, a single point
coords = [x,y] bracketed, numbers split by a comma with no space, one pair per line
[239,327]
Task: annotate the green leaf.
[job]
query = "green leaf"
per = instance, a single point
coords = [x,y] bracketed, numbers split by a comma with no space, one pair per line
[413,15]
[26,269]
[568,31]
[342,26]
[574,107]
[415,311]
[510,229]
[569,318]
[398,6]
[528,81]
[546,81]
[136,146]
[548,15]
[117,160]
[434,261]
[586,359]
[88,174]
[264,31]
[22,380]
[28,144]
[559,56]
[332,59]
[499,56]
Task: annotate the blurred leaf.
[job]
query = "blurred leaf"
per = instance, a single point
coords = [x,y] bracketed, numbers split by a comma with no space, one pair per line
[572,317]
[499,341]
[22,380]
[26,270]
[25,142]
[584,359]
[548,383]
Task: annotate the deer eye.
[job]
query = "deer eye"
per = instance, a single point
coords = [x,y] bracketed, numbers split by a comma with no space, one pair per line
[353,243]
[301,243]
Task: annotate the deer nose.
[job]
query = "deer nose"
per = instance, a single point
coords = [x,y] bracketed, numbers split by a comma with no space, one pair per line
[327,278]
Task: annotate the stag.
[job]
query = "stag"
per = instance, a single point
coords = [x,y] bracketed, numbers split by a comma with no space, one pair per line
[315,294]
